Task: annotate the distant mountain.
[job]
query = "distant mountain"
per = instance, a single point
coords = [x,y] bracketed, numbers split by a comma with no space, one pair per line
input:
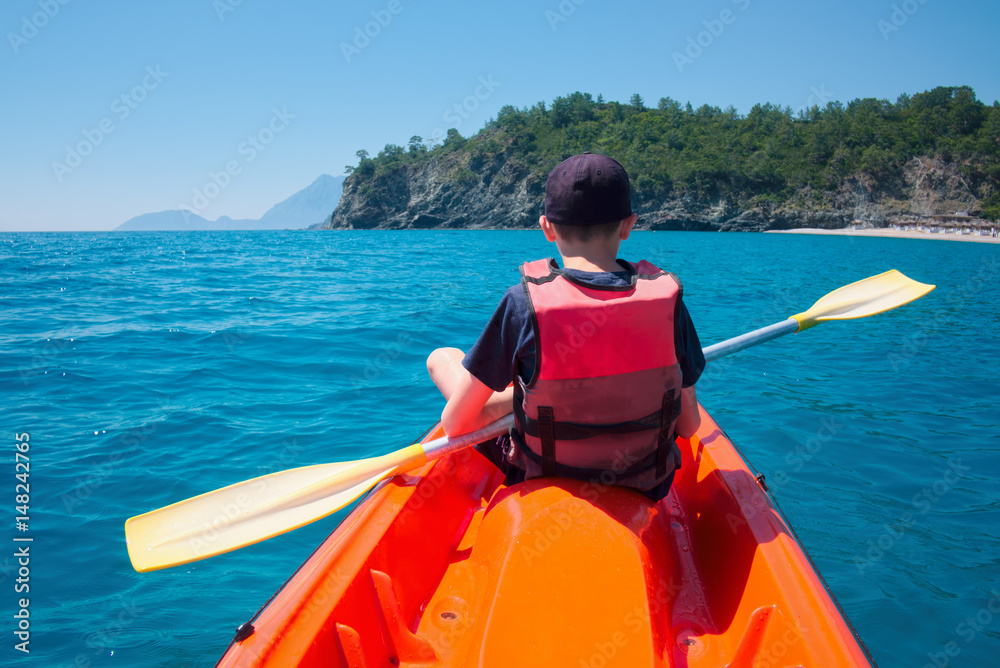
[310,207]
[179,220]
[307,207]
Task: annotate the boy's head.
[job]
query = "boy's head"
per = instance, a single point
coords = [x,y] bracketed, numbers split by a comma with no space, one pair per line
[587,197]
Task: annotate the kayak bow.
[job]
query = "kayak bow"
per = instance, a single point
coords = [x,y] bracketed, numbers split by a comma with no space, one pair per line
[446,566]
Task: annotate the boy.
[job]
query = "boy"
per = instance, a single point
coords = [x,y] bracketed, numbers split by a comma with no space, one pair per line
[602,353]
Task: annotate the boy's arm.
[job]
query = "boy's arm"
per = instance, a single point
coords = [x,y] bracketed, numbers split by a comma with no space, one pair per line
[474,405]
[471,404]
[692,363]
[690,418]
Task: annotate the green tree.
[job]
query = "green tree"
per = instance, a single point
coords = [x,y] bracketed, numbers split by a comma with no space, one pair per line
[966,113]
[454,139]
[576,108]
[878,163]
[391,151]
[511,118]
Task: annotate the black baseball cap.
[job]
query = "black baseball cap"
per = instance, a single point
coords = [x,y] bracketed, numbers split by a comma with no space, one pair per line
[587,189]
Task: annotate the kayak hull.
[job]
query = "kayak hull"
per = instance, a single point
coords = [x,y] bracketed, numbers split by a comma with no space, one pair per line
[447,566]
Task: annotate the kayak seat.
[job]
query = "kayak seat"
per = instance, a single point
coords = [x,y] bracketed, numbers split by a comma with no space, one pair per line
[577,576]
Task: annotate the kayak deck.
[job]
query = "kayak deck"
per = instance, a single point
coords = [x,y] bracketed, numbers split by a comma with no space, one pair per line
[447,566]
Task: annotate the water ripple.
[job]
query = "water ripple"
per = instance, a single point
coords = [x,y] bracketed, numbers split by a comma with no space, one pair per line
[150,367]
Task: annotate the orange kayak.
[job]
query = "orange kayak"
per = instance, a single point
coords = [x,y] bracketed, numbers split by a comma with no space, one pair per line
[447,566]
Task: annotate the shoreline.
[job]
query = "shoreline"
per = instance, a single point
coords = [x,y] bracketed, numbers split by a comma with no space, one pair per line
[889,233]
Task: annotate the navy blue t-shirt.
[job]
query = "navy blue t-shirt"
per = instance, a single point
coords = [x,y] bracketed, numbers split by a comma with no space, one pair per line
[509,338]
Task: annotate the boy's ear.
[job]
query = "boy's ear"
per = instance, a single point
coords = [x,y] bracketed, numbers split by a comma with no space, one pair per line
[627,226]
[547,229]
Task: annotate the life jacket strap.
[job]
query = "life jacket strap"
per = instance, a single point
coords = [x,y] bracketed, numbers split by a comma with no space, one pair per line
[586,474]
[574,431]
[670,410]
[546,433]
[547,430]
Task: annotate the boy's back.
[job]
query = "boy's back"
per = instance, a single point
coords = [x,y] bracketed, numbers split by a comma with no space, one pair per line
[601,355]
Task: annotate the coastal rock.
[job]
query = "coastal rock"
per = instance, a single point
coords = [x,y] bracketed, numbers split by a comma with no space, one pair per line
[460,191]
[450,192]
[932,188]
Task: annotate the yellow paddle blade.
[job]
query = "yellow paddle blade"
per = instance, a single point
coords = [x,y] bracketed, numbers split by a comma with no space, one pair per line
[864,298]
[255,510]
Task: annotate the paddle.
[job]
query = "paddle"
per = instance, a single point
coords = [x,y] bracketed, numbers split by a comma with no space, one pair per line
[255,510]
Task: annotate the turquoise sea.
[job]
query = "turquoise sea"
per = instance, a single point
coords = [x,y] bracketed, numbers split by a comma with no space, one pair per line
[148,368]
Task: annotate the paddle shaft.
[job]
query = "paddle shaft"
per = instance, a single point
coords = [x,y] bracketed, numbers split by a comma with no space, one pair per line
[446,445]
[750,339]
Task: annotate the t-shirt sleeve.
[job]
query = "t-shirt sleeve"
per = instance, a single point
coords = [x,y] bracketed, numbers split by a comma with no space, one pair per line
[494,355]
[689,354]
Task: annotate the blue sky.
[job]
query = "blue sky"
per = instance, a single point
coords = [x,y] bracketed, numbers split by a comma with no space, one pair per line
[162,96]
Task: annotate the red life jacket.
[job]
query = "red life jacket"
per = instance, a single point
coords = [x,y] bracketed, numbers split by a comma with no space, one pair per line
[605,393]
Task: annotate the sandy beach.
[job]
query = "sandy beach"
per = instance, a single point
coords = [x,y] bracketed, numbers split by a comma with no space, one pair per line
[885,232]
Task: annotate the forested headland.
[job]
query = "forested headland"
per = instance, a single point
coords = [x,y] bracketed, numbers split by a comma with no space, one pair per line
[699,168]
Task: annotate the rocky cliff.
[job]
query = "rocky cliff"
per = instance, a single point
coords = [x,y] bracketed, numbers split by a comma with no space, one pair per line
[453,191]
[448,192]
